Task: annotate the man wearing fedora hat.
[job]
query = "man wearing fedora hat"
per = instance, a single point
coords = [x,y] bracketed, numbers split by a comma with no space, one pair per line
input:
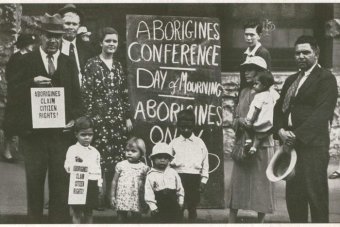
[302,119]
[45,149]
[77,49]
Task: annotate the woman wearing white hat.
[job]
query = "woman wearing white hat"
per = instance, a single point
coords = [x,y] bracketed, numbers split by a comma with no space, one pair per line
[250,188]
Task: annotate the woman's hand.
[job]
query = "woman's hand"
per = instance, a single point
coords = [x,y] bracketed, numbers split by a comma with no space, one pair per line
[129,125]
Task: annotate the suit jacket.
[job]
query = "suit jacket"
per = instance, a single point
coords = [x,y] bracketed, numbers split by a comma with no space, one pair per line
[311,110]
[85,52]
[65,76]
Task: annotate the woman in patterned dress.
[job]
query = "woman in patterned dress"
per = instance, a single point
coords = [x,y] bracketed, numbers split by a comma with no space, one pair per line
[105,97]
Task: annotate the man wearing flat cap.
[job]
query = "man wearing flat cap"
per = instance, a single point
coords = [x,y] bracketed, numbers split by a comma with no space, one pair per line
[77,49]
[45,149]
[302,120]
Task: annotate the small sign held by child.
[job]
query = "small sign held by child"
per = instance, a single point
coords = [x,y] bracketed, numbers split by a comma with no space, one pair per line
[78,185]
[48,107]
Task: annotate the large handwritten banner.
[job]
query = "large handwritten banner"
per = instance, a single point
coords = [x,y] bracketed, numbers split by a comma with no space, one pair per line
[48,107]
[174,64]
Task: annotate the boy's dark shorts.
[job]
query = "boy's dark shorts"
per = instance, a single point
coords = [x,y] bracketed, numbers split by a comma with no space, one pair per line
[191,184]
[91,197]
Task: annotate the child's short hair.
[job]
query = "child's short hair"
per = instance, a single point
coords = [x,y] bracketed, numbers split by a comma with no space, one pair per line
[82,123]
[254,24]
[138,143]
[186,115]
[266,78]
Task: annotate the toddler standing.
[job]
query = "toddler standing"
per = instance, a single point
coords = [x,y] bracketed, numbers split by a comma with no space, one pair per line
[191,161]
[128,182]
[82,153]
[164,192]
[259,119]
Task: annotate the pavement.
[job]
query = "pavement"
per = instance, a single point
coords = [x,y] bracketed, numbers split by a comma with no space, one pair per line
[13,200]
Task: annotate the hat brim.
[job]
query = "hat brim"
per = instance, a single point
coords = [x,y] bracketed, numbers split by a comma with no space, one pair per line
[85,33]
[61,32]
[153,155]
[246,64]
[272,168]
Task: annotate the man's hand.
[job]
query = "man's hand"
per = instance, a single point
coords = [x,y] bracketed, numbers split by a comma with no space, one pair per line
[202,187]
[287,137]
[113,202]
[42,80]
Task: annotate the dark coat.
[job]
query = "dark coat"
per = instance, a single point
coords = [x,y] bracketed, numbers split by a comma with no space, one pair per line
[311,112]
[32,66]
[85,52]
[312,109]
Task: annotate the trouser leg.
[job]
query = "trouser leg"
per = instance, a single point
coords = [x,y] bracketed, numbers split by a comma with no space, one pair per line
[58,181]
[36,166]
[317,183]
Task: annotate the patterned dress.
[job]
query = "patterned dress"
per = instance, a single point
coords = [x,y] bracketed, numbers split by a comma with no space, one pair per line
[105,97]
[130,186]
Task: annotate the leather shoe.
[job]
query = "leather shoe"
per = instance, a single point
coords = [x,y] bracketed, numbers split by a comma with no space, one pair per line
[334,175]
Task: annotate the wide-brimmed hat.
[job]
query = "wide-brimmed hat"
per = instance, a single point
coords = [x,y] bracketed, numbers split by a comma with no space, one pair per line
[162,148]
[71,8]
[281,166]
[52,24]
[255,61]
[83,31]
[25,40]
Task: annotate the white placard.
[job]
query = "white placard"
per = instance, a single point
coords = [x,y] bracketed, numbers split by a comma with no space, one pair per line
[48,107]
[78,185]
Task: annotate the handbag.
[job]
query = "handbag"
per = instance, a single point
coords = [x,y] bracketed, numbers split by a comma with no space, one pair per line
[240,152]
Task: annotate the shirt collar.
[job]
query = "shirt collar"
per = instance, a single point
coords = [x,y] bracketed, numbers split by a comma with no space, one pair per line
[88,147]
[66,42]
[252,52]
[191,138]
[311,69]
[44,55]
[158,171]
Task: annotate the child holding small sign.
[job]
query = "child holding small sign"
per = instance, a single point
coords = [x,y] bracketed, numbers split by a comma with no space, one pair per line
[128,182]
[190,161]
[83,164]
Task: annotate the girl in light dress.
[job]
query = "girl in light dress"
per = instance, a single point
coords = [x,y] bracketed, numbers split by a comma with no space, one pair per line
[128,182]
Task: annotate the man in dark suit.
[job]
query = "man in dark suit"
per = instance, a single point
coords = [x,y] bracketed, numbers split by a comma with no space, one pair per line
[302,120]
[45,149]
[71,46]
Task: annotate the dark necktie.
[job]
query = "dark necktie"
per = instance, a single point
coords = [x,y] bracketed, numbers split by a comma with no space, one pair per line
[71,53]
[51,68]
[291,92]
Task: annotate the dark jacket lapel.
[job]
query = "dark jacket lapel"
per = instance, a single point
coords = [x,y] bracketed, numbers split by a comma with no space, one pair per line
[309,81]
